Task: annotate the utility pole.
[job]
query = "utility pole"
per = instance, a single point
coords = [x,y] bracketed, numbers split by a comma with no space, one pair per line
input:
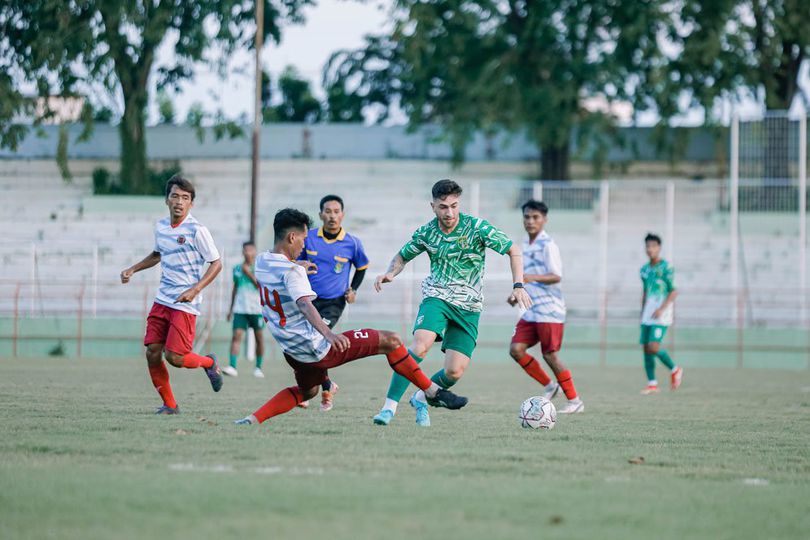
[257,121]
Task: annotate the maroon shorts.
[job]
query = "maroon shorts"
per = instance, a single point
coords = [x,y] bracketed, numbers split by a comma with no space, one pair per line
[172,327]
[365,342]
[549,335]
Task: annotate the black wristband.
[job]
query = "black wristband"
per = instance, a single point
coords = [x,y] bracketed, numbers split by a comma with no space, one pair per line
[517,285]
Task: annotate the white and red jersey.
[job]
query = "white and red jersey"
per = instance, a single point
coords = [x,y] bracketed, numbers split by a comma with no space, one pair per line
[281,283]
[543,257]
[184,249]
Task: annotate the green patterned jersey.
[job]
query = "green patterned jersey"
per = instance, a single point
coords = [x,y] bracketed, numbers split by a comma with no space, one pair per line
[658,281]
[456,259]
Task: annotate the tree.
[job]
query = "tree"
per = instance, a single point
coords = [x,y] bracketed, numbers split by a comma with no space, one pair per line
[522,65]
[298,104]
[755,45]
[63,46]
[165,108]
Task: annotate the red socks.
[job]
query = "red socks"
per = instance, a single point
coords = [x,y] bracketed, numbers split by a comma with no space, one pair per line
[564,378]
[282,402]
[403,363]
[193,360]
[160,378]
[532,367]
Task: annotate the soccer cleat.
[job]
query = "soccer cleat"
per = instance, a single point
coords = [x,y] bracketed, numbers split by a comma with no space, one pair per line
[572,407]
[258,373]
[650,389]
[675,378]
[327,396]
[246,421]
[214,374]
[303,405]
[384,417]
[549,394]
[446,399]
[422,416]
[165,409]
[230,371]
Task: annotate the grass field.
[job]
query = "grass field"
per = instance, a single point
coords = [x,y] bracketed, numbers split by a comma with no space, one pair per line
[81,456]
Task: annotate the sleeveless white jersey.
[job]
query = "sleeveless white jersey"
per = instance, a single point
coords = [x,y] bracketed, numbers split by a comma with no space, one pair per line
[184,249]
[282,282]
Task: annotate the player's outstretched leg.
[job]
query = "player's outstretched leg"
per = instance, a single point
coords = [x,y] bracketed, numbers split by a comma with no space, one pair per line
[282,402]
[193,360]
[422,341]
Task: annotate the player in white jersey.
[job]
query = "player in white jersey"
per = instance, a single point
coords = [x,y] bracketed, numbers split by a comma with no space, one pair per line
[544,321]
[309,346]
[182,246]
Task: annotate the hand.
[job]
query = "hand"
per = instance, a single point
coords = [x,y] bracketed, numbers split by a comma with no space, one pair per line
[384,278]
[339,341]
[126,274]
[187,296]
[657,313]
[512,301]
[309,266]
[350,295]
[520,297]
[229,316]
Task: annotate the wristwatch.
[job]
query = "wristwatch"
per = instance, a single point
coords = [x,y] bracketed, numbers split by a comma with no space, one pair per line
[517,285]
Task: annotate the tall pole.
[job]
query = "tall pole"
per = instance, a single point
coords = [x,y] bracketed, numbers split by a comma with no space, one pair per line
[734,214]
[257,118]
[803,215]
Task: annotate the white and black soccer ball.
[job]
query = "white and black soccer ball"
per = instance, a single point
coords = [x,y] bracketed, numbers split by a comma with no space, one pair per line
[537,413]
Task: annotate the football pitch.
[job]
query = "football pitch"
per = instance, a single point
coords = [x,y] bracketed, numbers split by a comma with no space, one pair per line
[81,456]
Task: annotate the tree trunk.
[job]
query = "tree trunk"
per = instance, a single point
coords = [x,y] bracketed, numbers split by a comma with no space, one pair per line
[555,162]
[134,172]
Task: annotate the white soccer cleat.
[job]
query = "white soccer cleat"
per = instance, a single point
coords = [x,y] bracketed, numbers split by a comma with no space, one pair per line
[551,390]
[258,373]
[650,389]
[572,407]
[229,371]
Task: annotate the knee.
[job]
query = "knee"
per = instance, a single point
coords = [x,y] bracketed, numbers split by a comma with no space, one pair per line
[174,358]
[389,341]
[554,362]
[454,372]
[517,351]
[310,393]
[419,349]
[153,355]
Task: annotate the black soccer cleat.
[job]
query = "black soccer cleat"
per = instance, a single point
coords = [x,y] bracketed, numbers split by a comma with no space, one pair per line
[214,374]
[446,399]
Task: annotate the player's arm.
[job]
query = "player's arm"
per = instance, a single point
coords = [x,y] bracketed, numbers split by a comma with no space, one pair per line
[519,294]
[357,280]
[360,263]
[210,273]
[248,271]
[233,299]
[673,293]
[148,262]
[553,264]
[396,266]
[337,340]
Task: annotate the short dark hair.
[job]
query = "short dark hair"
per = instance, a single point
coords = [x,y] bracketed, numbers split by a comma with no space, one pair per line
[443,188]
[652,238]
[248,243]
[182,183]
[328,198]
[538,206]
[289,218]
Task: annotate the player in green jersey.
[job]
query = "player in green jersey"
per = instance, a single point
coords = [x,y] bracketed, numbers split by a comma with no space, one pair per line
[245,310]
[452,298]
[658,282]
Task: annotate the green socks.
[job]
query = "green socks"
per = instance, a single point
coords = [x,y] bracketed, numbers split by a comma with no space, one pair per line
[399,384]
[666,360]
[649,366]
[441,378]
[233,361]
[259,361]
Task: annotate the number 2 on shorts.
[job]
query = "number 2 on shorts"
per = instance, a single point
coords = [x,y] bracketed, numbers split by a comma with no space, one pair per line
[275,306]
[359,334]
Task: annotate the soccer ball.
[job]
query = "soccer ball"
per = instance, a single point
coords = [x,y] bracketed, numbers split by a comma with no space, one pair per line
[538,413]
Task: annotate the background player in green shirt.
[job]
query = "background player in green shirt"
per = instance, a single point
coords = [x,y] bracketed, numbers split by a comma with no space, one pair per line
[658,282]
[245,310]
[452,296]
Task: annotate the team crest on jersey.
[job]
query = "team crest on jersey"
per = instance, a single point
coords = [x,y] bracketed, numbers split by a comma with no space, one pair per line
[463,242]
[338,267]
[181,239]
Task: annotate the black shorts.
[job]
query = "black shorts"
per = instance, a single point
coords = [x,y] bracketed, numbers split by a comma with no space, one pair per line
[330,309]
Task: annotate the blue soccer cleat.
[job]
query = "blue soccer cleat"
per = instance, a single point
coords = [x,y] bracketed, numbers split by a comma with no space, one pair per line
[214,373]
[422,416]
[165,409]
[384,417]
[243,421]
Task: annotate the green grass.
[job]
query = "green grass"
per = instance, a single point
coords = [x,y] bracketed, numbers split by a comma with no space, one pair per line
[81,456]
